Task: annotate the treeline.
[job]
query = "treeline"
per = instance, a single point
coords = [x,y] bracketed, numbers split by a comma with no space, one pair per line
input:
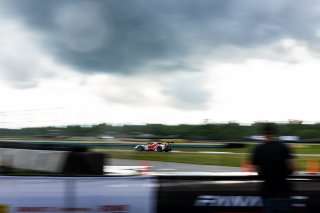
[229,131]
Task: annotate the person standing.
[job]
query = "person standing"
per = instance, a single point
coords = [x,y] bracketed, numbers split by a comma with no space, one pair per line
[273,161]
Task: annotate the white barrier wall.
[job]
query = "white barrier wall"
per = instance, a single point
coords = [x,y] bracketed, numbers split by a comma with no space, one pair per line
[78,194]
[37,160]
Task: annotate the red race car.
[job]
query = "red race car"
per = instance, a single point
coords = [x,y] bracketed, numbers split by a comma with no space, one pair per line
[154,146]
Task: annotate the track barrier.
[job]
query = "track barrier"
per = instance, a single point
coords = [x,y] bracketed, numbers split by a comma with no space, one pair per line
[51,159]
[238,194]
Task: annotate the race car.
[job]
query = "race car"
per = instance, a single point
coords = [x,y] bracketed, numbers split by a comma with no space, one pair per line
[154,146]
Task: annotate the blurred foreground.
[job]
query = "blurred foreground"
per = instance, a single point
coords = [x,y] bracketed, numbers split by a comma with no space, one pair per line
[66,177]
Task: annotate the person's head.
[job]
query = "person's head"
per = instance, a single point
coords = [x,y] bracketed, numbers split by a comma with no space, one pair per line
[269,131]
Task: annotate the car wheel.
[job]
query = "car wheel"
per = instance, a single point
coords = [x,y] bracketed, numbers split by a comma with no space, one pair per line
[168,149]
[159,149]
[139,149]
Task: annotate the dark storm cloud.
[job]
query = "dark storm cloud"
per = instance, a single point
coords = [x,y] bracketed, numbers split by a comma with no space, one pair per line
[124,36]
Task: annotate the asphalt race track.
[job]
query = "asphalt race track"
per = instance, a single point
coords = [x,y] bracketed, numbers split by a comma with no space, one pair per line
[163,168]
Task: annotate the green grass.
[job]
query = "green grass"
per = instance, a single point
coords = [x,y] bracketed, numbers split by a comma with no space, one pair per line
[209,159]
[306,148]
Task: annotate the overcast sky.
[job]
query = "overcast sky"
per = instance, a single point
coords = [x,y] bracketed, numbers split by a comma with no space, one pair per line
[65,62]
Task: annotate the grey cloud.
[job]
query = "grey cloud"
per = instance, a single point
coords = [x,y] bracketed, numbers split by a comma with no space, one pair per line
[188,93]
[82,26]
[123,36]
[21,75]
